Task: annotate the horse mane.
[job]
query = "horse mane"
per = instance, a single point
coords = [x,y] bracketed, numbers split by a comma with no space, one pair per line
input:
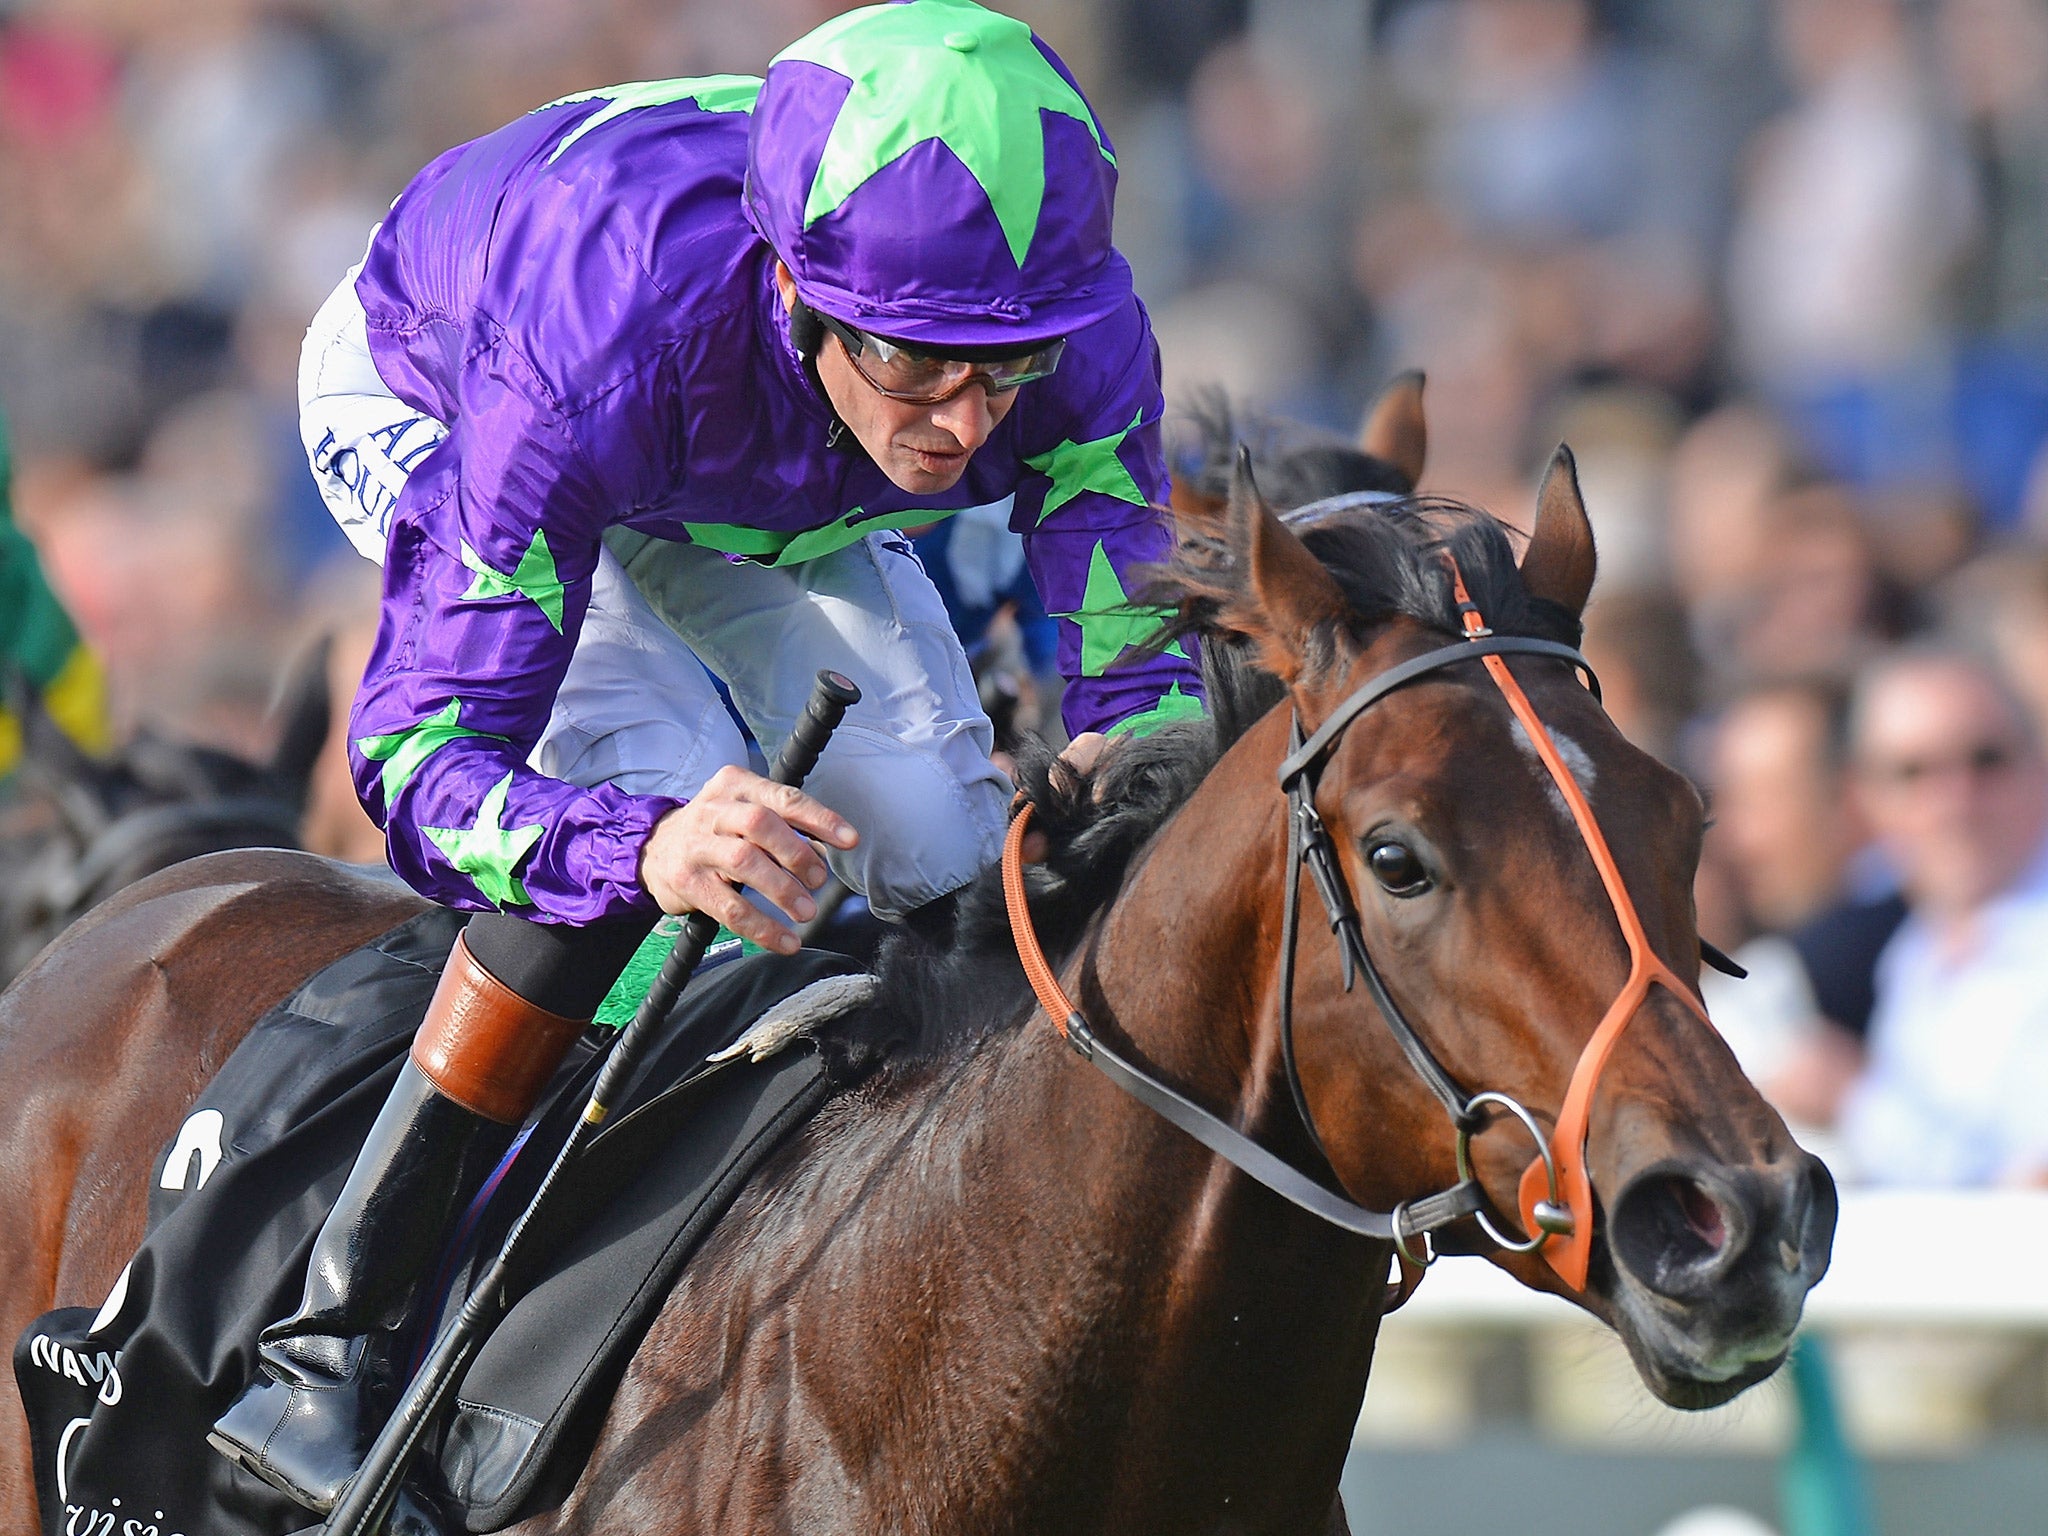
[1386,555]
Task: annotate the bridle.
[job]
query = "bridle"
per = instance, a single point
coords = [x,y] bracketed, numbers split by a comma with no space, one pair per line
[1555,1196]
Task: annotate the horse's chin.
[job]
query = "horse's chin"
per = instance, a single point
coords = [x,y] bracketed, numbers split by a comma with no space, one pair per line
[1675,1385]
[1686,1366]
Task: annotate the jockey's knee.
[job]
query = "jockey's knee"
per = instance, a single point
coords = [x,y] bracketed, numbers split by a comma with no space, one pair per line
[929,820]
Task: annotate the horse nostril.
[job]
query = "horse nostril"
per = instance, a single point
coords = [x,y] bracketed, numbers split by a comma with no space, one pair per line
[1675,1233]
[1702,1214]
[1812,1221]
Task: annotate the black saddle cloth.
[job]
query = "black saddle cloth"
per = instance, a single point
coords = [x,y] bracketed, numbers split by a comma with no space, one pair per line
[119,1400]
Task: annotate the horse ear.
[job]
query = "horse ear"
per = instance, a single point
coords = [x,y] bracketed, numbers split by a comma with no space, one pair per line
[1560,561]
[1393,429]
[1286,598]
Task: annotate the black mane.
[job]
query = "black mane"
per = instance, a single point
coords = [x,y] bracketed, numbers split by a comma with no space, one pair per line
[1386,555]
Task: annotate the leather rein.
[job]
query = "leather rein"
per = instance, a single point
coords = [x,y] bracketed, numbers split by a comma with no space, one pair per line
[1555,1194]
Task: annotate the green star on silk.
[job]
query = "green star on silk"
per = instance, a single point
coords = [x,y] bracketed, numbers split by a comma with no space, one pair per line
[945,70]
[1172,705]
[402,752]
[712,93]
[533,577]
[1091,466]
[488,852]
[1109,621]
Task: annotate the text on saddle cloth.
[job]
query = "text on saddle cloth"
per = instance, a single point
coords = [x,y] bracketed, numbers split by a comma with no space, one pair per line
[119,1399]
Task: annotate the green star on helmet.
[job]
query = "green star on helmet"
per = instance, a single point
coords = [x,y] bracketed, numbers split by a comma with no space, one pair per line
[489,852]
[1091,466]
[1109,621]
[534,577]
[914,66]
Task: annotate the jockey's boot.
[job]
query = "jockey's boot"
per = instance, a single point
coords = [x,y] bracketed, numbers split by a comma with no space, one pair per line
[330,1373]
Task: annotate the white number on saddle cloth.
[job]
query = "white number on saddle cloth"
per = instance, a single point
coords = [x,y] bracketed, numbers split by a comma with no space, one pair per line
[200,1138]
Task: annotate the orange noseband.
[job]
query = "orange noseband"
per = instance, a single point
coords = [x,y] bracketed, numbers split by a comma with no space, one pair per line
[1570,1255]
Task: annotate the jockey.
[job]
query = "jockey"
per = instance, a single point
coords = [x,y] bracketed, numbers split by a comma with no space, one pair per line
[641,389]
[39,646]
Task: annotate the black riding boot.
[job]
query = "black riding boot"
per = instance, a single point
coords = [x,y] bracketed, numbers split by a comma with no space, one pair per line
[330,1376]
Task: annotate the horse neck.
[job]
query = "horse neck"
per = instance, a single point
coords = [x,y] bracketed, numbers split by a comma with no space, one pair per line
[1246,1326]
[1073,1317]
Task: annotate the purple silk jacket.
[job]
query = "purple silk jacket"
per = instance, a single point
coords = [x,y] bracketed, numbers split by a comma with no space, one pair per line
[580,298]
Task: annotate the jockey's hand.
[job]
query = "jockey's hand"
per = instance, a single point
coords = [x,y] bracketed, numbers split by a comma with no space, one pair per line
[750,830]
[1080,755]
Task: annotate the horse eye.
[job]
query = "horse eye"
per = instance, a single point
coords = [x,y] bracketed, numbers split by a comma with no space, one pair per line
[1397,869]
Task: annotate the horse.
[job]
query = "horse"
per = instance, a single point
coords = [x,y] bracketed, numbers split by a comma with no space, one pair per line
[988,1291]
[1296,464]
[80,828]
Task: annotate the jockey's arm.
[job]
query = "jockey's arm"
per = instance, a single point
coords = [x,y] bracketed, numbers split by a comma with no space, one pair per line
[493,549]
[1089,510]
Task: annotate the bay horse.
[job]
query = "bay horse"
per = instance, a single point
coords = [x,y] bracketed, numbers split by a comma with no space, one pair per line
[1296,463]
[987,1292]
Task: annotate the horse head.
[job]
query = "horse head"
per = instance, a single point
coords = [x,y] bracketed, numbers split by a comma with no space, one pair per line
[1471,835]
[1299,464]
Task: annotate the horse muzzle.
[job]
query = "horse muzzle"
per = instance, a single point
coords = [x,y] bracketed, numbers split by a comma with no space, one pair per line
[1711,1266]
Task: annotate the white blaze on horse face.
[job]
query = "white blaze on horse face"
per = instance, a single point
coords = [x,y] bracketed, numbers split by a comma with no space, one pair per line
[1575,758]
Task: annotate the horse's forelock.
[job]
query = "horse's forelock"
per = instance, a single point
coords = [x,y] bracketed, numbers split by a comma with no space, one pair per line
[1388,557]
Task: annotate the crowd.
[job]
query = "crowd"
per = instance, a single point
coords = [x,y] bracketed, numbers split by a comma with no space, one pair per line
[1776,269]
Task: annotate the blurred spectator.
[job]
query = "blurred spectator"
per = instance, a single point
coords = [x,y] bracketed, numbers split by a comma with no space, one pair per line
[40,652]
[2000,603]
[1994,56]
[1950,772]
[1859,207]
[1806,597]
[1637,642]
[1726,471]
[1780,812]
[1788,836]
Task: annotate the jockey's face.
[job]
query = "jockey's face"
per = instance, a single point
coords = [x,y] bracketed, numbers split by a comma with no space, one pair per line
[924,449]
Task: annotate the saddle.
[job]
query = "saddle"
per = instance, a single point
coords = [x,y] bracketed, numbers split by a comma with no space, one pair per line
[119,1399]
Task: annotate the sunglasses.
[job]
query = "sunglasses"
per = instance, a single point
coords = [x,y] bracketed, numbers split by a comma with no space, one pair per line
[1982,761]
[918,378]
